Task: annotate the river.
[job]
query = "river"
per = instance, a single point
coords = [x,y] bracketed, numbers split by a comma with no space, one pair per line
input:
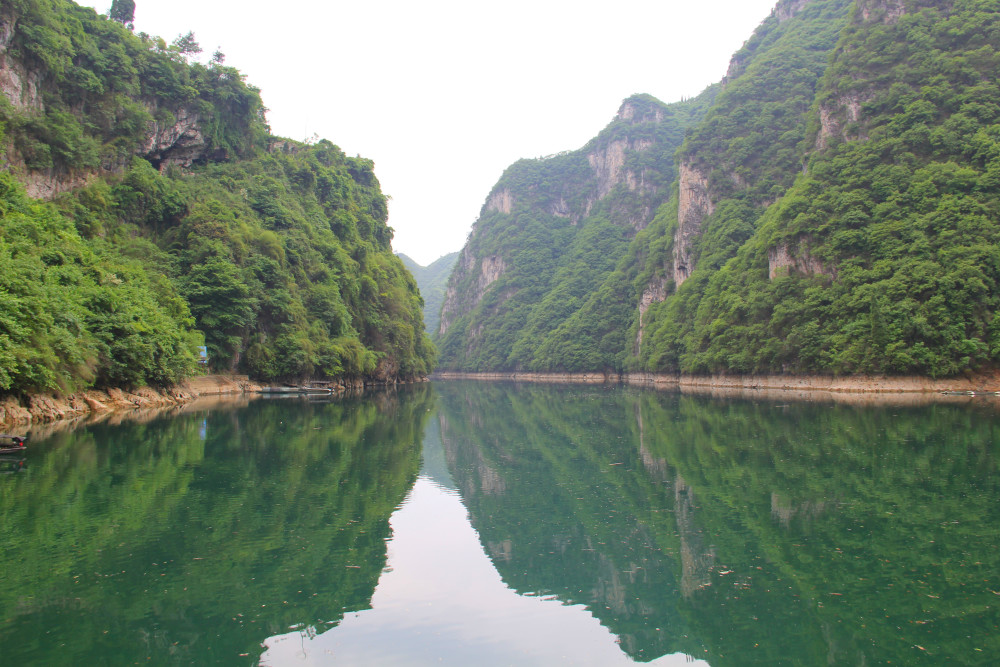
[463,523]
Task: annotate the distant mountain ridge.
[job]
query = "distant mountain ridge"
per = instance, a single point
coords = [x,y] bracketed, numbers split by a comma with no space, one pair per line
[834,209]
[431,280]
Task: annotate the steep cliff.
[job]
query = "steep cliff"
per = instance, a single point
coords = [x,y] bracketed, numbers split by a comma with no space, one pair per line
[745,154]
[834,211]
[879,252]
[552,230]
[81,95]
[175,220]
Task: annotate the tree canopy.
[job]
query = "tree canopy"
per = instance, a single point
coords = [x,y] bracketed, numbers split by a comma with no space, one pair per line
[274,254]
[838,215]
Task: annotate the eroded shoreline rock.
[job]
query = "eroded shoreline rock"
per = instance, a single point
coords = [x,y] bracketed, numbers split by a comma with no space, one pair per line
[42,408]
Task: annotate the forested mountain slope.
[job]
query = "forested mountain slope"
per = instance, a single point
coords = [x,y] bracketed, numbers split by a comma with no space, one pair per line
[432,280]
[835,211]
[883,255]
[552,229]
[175,218]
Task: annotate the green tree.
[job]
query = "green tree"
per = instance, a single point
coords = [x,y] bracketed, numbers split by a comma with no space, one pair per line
[123,11]
[186,45]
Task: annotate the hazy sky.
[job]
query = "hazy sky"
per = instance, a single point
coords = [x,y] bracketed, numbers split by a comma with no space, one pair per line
[444,94]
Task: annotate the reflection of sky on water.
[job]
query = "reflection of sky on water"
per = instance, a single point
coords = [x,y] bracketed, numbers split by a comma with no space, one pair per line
[440,601]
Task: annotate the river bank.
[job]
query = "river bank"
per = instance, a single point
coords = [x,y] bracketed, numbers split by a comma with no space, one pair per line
[860,384]
[45,409]
[42,408]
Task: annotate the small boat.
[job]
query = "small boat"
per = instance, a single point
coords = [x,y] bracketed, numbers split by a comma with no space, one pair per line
[12,443]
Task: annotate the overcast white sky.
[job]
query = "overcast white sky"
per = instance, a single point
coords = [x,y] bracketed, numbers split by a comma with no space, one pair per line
[444,94]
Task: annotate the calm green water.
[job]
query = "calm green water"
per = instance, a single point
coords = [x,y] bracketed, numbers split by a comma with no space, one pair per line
[493,524]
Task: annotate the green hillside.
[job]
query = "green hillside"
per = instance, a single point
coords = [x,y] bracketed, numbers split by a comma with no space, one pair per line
[432,281]
[834,211]
[552,230]
[174,218]
[883,255]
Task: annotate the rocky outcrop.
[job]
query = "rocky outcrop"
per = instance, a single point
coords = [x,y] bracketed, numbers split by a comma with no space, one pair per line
[17,84]
[501,201]
[841,117]
[694,205]
[177,141]
[655,292]
[180,142]
[43,409]
[795,258]
[560,209]
[607,165]
[47,183]
[490,269]
[635,113]
[835,116]
[786,9]
[455,304]
[881,11]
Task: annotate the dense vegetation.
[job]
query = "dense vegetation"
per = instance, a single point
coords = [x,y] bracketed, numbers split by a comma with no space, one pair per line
[556,226]
[432,281]
[101,88]
[897,218]
[75,313]
[850,219]
[274,254]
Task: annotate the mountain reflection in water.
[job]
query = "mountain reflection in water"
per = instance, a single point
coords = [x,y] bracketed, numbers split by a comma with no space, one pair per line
[475,523]
[441,601]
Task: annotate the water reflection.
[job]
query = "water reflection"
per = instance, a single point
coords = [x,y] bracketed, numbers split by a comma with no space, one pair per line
[541,525]
[441,601]
[747,533]
[188,539]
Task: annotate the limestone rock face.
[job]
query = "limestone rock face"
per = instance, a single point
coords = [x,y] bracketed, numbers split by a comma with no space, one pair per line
[842,117]
[694,205]
[489,271]
[610,164]
[882,11]
[786,9]
[655,292]
[501,201]
[48,183]
[835,116]
[786,258]
[181,142]
[17,84]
